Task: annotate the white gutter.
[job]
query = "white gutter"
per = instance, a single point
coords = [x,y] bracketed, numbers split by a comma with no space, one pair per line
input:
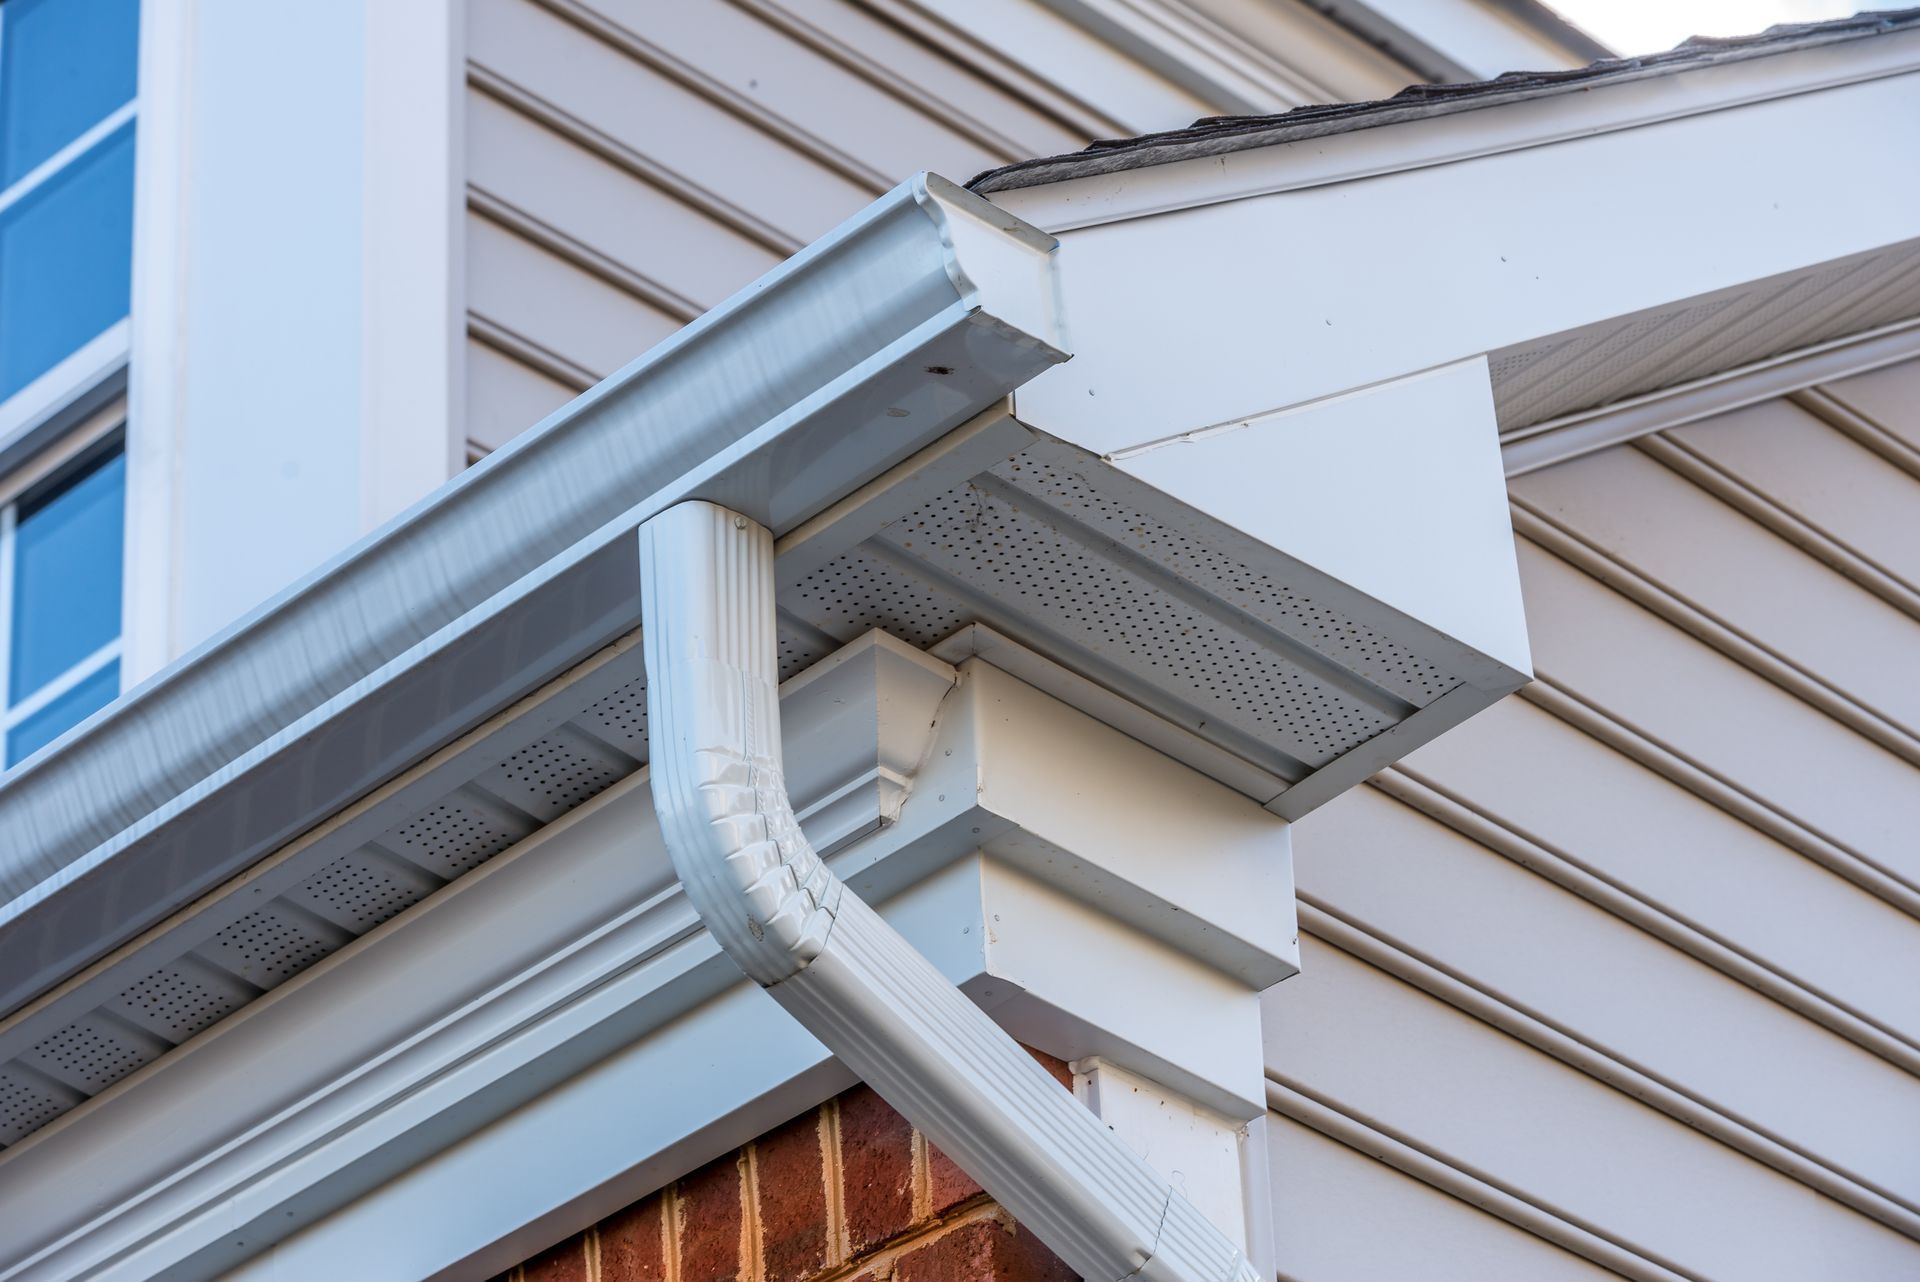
[707,599]
[881,337]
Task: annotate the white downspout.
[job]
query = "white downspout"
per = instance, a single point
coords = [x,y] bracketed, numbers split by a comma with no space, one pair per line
[776,909]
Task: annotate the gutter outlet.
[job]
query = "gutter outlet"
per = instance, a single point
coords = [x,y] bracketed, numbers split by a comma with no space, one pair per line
[794,928]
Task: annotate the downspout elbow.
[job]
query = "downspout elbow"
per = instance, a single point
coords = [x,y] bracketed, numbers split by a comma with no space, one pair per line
[775,907]
[713,725]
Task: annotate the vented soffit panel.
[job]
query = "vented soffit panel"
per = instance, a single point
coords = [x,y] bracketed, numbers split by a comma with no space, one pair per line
[1299,681]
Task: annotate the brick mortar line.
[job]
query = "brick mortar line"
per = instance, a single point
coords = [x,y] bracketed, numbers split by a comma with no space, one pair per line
[833,1171]
[980,1208]
[753,1247]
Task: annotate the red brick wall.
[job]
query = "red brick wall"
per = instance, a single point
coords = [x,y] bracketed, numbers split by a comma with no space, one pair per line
[848,1191]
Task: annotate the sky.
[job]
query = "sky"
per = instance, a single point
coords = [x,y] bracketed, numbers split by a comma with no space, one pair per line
[1649,26]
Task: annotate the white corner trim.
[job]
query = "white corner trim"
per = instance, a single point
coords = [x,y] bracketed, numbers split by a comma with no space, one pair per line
[1529,449]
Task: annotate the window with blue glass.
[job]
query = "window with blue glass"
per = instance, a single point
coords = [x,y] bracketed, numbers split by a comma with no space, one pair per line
[60,559]
[67,76]
[66,178]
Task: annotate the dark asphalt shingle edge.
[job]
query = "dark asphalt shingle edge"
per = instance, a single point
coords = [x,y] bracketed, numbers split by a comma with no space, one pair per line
[1219,135]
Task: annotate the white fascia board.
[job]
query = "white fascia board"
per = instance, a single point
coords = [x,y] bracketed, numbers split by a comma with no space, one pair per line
[1539,119]
[911,318]
[521,990]
[1274,301]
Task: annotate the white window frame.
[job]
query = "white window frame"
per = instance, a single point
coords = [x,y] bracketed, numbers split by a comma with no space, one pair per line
[15,486]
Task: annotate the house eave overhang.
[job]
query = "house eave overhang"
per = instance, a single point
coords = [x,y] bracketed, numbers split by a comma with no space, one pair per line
[1750,200]
[904,322]
[1237,158]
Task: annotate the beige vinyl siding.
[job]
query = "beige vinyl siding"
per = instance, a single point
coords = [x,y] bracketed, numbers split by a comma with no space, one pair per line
[1882,407]
[1628,961]
[1346,1215]
[1375,1047]
[630,164]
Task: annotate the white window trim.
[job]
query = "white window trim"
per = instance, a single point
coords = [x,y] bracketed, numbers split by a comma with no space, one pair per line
[69,390]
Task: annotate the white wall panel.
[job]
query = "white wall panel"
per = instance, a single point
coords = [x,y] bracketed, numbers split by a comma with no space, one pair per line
[940,72]
[548,301]
[1649,983]
[1890,397]
[505,396]
[1670,848]
[803,89]
[682,130]
[584,197]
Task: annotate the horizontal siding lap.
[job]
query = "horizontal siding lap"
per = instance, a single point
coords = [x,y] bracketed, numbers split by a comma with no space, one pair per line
[550,302]
[504,396]
[1375,1048]
[1691,1037]
[1888,398]
[1780,451]
[1533,948]
[1715,713]
[1674,850]
[680,129]
[1411,1230]
[1738,572]
[649,231]
[764,66]
[997,113]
